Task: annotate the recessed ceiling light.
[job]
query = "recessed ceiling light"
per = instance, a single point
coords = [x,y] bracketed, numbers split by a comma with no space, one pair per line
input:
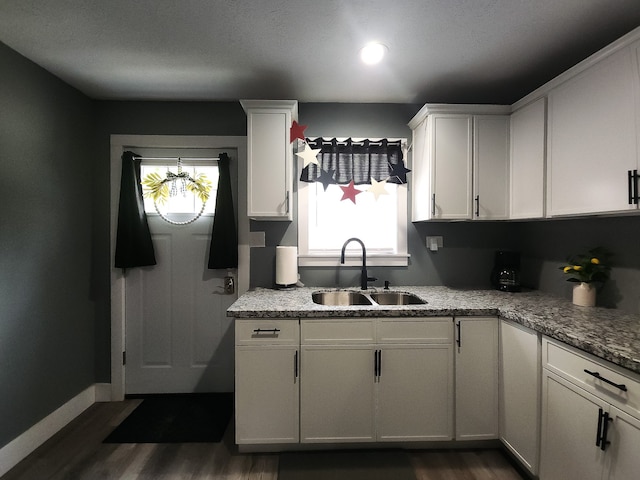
[373,53]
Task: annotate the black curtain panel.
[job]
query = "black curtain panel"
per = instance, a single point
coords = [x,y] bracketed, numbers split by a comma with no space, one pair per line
[223,251]
[354,160]
[134,247]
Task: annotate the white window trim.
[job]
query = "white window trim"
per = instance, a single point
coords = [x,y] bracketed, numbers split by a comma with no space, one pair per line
[332,259]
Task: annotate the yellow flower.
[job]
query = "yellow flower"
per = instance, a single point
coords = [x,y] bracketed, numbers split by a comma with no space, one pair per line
[567,269]
[577,268]
[595,261]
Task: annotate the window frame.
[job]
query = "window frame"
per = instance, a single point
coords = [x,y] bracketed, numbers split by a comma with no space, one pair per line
[331,258]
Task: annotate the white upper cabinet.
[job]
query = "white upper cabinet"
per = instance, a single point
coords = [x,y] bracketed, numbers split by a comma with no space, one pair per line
[460,162]
[528,127]
[270,158]
[593,137]
[491,167]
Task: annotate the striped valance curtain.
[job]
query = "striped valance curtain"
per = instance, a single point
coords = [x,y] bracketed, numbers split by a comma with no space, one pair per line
[354,160]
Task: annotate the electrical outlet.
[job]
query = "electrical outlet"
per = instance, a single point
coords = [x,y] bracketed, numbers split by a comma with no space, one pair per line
[434,243]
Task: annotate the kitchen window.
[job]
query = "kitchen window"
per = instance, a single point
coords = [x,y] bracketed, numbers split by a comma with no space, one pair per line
[326,219]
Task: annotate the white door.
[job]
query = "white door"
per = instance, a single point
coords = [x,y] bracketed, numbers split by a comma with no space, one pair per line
[178,337]
[477,378]
[569,430]
[451,151]
[622,453]
[268,373]
[337,401]
[415,393]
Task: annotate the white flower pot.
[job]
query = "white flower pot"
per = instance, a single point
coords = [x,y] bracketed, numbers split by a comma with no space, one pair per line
[584,294]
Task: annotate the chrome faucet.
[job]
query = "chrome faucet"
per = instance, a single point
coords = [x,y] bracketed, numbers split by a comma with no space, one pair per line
[364,278]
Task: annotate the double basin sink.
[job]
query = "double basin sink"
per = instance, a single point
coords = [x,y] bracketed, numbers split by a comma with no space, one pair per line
[350,297]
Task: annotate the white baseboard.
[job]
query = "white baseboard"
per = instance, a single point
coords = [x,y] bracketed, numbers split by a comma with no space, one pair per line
[20,447]
[103,392]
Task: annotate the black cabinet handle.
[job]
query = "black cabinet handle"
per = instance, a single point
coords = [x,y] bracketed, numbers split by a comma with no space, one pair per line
[379,363]
[477,205]
[295,365]
[273,331]
[375,363]
[459,340]
[433,205]
[621,386]
[632,178]
[603,429]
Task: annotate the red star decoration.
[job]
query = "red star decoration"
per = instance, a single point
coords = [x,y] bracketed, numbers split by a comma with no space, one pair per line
[296,131]
[350,192]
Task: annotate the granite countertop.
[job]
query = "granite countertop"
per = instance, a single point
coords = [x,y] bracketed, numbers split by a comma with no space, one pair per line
[606,333]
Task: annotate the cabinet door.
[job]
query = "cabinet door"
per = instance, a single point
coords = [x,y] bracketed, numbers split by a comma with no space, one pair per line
[451,158]
[569,430]
[476,378]
[491,167]
[269,159]
[519,392]
[421,175]
[527,161]
[623,461]
[337,393]
[592,139]
[267,394]
[415,393]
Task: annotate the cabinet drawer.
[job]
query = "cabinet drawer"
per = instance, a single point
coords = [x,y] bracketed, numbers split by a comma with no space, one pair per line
[267,332]
[415,330]
[575,365]
[335,331]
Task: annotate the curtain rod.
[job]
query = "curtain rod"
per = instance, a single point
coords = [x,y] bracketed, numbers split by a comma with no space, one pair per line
[177,158]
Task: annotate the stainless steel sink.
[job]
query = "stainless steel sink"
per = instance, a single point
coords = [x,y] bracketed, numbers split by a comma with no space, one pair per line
[396,298]
[340,297]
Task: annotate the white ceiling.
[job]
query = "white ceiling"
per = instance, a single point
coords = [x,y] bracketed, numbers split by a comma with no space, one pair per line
[480,51]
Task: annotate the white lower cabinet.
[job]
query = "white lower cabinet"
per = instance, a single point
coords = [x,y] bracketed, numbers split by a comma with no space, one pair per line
[476,378]
[337,394]
[520,393]
[365,380]
[267,381]
[585,432]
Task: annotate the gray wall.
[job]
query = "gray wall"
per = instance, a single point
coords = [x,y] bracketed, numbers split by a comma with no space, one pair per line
[547,244]
[46,300]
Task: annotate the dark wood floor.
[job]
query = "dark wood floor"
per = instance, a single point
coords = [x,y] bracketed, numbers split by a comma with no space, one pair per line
[77,452]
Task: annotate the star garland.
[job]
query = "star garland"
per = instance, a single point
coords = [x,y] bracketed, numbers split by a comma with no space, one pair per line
[309,155]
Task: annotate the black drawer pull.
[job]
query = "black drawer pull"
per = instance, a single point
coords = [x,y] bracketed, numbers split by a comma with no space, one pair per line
[621,386]
[266,330]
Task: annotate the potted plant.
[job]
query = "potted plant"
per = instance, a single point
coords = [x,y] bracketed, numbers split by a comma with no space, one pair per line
[587,269]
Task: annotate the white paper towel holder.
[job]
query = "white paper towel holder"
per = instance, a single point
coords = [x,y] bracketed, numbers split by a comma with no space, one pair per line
[287,276]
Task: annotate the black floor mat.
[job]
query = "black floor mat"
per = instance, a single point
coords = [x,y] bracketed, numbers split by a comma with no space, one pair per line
[346,465]
[176,418]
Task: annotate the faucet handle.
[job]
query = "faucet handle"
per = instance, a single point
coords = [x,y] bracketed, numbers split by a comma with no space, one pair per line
[386,284]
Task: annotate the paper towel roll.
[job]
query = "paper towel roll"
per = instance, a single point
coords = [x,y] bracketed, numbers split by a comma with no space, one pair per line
[286,265]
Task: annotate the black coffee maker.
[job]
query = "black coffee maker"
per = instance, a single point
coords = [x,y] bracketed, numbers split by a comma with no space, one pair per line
[505,275]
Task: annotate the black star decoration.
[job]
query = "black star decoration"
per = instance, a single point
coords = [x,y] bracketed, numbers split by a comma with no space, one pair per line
[326,178]
[400,171]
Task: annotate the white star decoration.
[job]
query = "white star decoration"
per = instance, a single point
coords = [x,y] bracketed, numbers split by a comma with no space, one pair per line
[309,155]
[377,188]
